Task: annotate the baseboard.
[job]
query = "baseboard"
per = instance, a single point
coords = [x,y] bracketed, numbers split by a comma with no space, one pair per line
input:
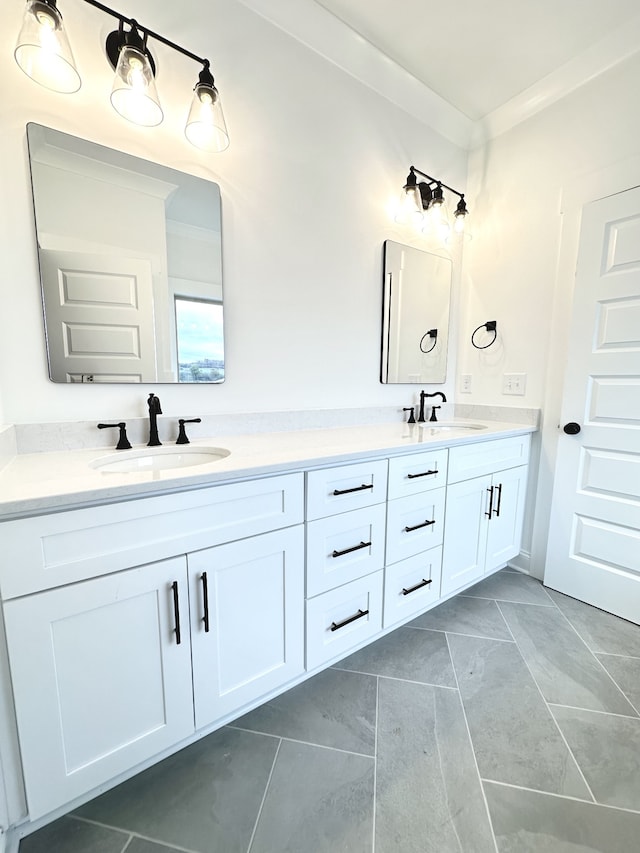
[522,562]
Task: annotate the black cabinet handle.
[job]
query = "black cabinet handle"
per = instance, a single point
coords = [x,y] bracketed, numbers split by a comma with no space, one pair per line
[355,489]
[488,514]
[176,610]
[423,474]
[335,626]
[411,589]
[349,550]
[499,500]
[418,526]
[205,601]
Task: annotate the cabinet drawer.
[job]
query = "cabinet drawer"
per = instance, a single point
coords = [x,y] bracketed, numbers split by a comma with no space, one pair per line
[334,490]
[485,457]
[414,524]
[57,549]
[418,472]
[332,629]
[411,585]
[344,547]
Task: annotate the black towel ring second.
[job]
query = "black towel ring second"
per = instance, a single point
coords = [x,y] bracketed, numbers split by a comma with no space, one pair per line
[432,333]
[490,326]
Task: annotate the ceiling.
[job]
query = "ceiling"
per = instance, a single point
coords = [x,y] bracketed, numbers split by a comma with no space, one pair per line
[480,56]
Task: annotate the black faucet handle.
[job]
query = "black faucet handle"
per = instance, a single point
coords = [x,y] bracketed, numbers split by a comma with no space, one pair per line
[153,401]
[123,441]
[182,435]
[412,417]
[434,415]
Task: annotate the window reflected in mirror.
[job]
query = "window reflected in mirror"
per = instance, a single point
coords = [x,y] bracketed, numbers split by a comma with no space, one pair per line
[199,340]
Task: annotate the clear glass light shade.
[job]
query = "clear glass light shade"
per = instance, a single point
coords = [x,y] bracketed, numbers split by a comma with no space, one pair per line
[410,206]
[43,50]
[206,127]
[459,223]
[134,95]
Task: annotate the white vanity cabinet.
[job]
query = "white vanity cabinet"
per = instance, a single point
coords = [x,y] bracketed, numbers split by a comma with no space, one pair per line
[484,514]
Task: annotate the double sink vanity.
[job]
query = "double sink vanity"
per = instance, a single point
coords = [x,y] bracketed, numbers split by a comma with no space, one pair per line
[149,596]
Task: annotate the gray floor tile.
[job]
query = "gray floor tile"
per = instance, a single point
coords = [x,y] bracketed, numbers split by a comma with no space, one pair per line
[319,801]
[428,798]
[477,617]
[565,670]
[68,835]
[513,733]
[626,674]
[529,822]
[607,748]
[404,653]
[205,798]
[333,708]
[601,631]
[510,586]
[141,845]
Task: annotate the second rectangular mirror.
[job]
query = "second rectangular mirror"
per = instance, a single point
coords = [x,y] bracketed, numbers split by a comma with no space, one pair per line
[415,315]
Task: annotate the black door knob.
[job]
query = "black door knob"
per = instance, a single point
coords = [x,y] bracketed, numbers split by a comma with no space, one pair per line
[571,428]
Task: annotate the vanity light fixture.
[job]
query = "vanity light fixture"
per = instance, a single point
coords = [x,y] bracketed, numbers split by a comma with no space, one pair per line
[427,197]
[44,54]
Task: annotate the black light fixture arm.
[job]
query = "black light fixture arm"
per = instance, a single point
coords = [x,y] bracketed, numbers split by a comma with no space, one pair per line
[148,33]
[418,172]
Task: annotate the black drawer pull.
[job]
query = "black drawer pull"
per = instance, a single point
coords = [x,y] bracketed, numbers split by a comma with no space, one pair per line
[349,550]
[355,489]
[411,589]
[499,500]
[176,610]
[488,514]
[418,526]
[205,601]
[335,626]
[424,474]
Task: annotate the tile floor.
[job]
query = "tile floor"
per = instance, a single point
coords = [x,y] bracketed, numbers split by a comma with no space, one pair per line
[507,720]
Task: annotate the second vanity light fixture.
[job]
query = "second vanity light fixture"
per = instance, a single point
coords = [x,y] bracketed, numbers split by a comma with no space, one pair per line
[420,198]
[43,52]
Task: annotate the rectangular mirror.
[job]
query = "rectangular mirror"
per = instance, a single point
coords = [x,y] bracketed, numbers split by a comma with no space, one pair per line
[415,315]
[130,260]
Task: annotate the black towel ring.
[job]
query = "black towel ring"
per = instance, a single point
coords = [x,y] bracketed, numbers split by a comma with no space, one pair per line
[432,333]
[490,326]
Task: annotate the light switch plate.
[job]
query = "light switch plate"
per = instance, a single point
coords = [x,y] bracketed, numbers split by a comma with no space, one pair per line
[514,383]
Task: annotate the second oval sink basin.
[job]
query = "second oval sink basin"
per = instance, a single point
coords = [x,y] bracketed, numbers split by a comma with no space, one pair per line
[158,459]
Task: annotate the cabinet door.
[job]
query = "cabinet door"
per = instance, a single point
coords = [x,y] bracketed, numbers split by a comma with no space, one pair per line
[505,527]
[100,680]
[465,533]
[247,620]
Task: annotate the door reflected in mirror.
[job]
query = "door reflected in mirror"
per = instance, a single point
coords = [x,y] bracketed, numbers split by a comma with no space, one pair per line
[415,315]
[130,265]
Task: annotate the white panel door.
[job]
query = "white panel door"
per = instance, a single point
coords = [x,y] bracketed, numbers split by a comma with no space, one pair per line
[247,620]
[594,536]
[100,680]
[507,516]
[99,311]
[465,532]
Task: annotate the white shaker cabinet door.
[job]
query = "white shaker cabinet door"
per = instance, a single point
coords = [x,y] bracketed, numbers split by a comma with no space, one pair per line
[505,528]
[465,533]
[247,620]
[101,682]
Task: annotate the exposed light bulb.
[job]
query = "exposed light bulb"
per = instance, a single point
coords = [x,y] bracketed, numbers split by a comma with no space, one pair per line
[134,94]
[43,51]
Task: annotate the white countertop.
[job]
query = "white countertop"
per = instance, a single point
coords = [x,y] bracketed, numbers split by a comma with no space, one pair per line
[36,483]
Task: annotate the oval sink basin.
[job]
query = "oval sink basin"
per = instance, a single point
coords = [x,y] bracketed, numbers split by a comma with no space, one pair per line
[157,459]
[441,426]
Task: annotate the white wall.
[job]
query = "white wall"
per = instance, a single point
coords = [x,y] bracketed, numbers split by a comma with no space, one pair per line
[529,185]
[315,158]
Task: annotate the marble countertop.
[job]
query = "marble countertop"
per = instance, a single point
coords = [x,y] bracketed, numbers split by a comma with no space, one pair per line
[36,483]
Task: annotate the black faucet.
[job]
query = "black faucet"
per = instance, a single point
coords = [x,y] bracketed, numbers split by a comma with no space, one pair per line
[423,397]
[154,410]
